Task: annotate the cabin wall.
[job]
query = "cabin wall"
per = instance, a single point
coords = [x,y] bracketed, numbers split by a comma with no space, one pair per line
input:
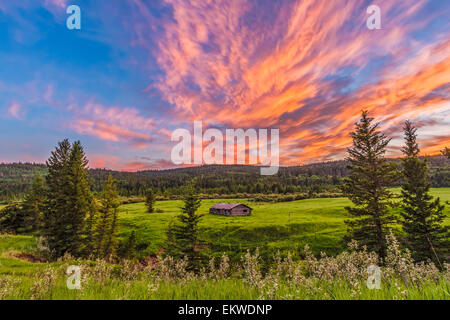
[241,211]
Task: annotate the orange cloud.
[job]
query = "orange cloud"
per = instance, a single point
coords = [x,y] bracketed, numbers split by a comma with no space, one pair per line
[114,124]
[284,65]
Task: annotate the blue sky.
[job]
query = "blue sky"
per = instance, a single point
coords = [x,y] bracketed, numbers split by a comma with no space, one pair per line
[138,69]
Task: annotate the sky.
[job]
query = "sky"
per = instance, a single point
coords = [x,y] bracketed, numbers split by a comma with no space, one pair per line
[138,70]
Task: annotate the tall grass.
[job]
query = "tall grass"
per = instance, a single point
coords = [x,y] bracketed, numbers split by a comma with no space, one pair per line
[333,278]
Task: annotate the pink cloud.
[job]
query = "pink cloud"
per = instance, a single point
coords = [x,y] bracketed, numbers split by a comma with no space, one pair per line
[105,131]
[103,161]
[57,3]
[114,124]
[15,110]
[219,66]
[112,162]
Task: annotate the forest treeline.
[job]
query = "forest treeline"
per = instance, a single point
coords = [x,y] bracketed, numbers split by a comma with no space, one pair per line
[15,179]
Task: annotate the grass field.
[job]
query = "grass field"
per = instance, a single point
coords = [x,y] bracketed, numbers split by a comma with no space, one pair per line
[285,226]
[271,227]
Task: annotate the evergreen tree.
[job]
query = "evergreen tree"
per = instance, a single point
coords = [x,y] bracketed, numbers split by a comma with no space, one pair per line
[89,232]
[56,198]
[129,251]
[185,232]
[33,204]
[112,241]
[12,219]
[107,224]
[446,152]
[69,199]
[170,244]
[366,186]
[423,216]
[80,198]
[150,200]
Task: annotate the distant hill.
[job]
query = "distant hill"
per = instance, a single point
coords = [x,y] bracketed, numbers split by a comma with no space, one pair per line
[15,178]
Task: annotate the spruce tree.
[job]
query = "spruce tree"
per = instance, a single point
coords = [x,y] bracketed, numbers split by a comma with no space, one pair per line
[56,202]
[129,251]
[89,232]
[170,244]
[80,198]
[423,215]
[12,219]
[446,152]
[366,186]
[33,204]
[185,232]
[107,223]
[69,199]
[150,200]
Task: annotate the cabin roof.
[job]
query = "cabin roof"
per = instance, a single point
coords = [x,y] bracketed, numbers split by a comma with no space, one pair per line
[228,206]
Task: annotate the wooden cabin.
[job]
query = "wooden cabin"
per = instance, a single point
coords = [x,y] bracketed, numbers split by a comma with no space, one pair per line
[231,209]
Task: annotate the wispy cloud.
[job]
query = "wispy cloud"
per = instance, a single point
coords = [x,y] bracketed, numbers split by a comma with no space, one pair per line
[57,3]
[299,66]
[15,110]
[114,124]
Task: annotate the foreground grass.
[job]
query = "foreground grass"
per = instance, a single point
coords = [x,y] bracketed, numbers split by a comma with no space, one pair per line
[226,289]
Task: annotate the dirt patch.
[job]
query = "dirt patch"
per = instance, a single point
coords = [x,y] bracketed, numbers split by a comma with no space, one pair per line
[149,261]
[29,257]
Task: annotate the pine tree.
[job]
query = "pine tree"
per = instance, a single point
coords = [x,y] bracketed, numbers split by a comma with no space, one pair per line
[56,198]
[423,216]
[106,227]
[446,152]
[69,199]
[33,204]
[89,232]
[80,197]
[150,200]
[12,219]
[170,244]
[112,241]
[185,232]
[129,251]
[366,186]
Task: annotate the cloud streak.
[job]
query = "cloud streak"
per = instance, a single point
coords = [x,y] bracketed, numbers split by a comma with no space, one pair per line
[307,67]
[114,124]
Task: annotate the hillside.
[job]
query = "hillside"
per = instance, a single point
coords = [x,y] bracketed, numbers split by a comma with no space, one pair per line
[214,179]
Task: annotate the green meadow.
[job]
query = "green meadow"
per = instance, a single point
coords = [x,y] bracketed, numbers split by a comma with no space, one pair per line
[284,226]
[272,227]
